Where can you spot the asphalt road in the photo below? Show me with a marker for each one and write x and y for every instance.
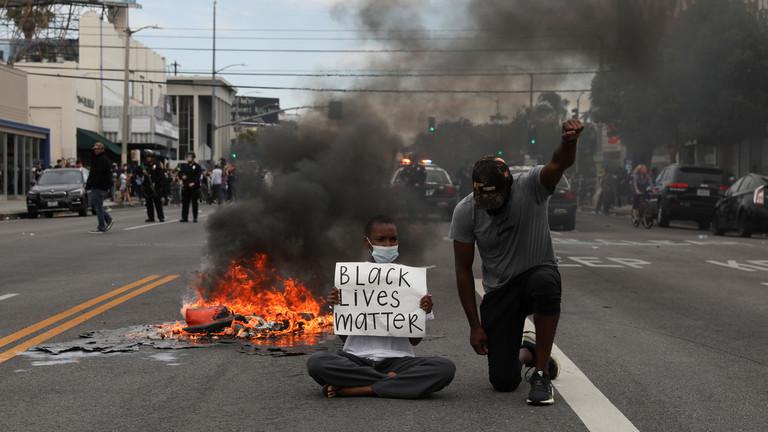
(669, 324)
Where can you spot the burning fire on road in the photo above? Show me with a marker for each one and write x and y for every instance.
(251, 301)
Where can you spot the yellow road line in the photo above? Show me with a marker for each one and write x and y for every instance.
(69, 312)
(20, 348)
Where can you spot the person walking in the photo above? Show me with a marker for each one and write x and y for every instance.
(506, 216)
(190, 174)
(98, 184)
(217, 179)
(154, 182)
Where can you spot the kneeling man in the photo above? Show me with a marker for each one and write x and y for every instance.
(378, 365)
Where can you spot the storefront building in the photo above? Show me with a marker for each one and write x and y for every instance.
(22, 145)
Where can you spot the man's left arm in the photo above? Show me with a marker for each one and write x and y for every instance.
(564, 156)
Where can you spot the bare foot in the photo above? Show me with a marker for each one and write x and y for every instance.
(329, 391)
(332, 391)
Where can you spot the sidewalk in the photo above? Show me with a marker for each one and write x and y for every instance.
(13, 208)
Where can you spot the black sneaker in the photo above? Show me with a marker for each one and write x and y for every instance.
(109, 225)
(96, 231)
(541, 392)
(183, 221)
(148, 220)
(529, 343)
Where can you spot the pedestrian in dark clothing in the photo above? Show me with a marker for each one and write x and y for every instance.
(99, 183)
(506, 217)
(154, 183)
(190, 174)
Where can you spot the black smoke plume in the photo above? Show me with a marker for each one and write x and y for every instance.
(330, 177)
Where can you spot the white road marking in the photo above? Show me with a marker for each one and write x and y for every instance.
(593, 262)
(739, 266)
(630, 262)
(765, 283)
(7, 296)
(590, 404)
(147, 225)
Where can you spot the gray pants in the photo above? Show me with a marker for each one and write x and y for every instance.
(417, 377)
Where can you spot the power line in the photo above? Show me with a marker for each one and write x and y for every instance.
(331, 90)
(349, 51)
(307, 38)
(332, 73)
(329, 30)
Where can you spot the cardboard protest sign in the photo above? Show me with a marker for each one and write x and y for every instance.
(379, 300)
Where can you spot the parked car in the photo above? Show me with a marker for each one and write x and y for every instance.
(743, 208)
(690, 193)
(561, 211)
(59, 190)
(440, 193)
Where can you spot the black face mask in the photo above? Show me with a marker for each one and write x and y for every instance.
(500, 209)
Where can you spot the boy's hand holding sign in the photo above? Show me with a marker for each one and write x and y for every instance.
(380, 300)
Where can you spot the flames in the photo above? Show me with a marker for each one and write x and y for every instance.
(263, 304)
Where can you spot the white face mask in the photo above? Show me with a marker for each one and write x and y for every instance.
(384, 254)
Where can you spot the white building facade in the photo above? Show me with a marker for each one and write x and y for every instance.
(82, 94)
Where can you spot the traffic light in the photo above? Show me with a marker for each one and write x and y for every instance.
(234, 155)
(335, 110)
(532, 135)
(431, 125)
(499, 153)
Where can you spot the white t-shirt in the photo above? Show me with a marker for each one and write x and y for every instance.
(216, 176)
(378, 348)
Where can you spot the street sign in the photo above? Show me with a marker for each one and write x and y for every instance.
(246, 107)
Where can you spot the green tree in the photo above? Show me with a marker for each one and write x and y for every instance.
(703, 79)
(30, 19)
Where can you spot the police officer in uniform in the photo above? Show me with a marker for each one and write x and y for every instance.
(190, 174)
(154, 184)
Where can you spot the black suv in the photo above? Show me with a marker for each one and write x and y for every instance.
(57, 190)
(688, 193)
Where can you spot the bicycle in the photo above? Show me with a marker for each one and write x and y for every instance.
(646, 216)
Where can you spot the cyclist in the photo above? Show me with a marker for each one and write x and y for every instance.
(639, 185)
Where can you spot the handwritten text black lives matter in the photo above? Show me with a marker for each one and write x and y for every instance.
(379, 300)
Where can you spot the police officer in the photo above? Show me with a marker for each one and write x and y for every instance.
(154, 184)
(190, 174)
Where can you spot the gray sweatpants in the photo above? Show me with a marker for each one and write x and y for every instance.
(417, 377)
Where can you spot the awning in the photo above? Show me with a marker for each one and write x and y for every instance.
(86, 139)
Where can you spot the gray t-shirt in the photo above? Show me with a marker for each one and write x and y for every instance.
(514, 240)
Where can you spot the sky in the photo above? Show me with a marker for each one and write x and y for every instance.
(239, 25)
(295, 24)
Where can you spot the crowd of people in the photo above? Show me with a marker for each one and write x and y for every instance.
(612, 187)
(217, 185)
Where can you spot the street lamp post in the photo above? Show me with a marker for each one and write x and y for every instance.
(213, 88)
(126, 68)
(531, 79)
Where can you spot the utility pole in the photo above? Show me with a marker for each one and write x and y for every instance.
(213, 88)
(126, 69)
(125, 131)
(530, 95)
(175, 65)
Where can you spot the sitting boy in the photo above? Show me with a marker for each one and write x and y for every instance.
(380, 365)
